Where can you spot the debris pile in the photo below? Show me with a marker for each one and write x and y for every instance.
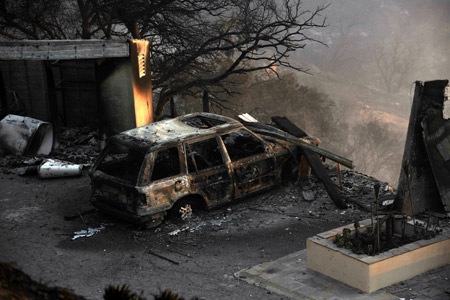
(371, 241)
(78, 148)
(78, 145)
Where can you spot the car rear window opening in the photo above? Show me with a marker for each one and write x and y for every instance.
(122, 162)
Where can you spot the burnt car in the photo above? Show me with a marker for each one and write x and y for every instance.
(201, 160)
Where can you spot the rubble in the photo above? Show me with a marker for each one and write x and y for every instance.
(309, 195)
(313, 160)
(80, 145)
(83, 154)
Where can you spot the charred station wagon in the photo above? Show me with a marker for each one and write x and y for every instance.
(199, 159)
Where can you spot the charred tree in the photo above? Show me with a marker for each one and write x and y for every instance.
(196, 45)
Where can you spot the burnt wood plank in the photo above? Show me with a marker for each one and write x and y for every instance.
(4, 102)
(62, 49)
(286, 125)
(53, 104)
(269, 130)
(314, 161)
(319, 170)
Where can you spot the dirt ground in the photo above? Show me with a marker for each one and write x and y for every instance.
(198, 261)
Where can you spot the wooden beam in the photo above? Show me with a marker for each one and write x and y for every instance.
(142, 81)
(53, 104)
(286, 125)
(205, 101)
(321, 173)
(3, 98)
(314, 161)
(62, 49)
(173, 112)
(277, 133)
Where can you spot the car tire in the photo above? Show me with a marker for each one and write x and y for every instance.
(190, 203)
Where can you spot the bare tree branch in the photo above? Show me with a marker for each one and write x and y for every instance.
(195, 44)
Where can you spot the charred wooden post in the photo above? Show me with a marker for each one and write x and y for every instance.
(3, 99)
(173, 112)
(205, 101)
(377, 188)
(52, 103)
(389, 230)
(338, 167)
(305, 170)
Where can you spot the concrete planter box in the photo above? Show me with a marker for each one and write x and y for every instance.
(370, 273)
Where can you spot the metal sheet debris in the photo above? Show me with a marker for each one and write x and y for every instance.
(52, 168)
(23, 135)
(87, 233)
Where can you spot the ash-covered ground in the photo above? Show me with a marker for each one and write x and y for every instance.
(194, 257)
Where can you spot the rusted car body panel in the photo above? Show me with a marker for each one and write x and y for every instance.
(144, 172)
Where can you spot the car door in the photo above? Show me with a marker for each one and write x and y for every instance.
(208, 172)
(252, 162)
(168, 181)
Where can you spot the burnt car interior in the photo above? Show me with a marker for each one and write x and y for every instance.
(167, 164)
(241, 144)
(202, 122)
(122, 162)
(202, 155)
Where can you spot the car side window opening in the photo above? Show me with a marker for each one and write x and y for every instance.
(202, 155)
(167, 164)
(241, 144)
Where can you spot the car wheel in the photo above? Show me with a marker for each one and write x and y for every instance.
(184, 209)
